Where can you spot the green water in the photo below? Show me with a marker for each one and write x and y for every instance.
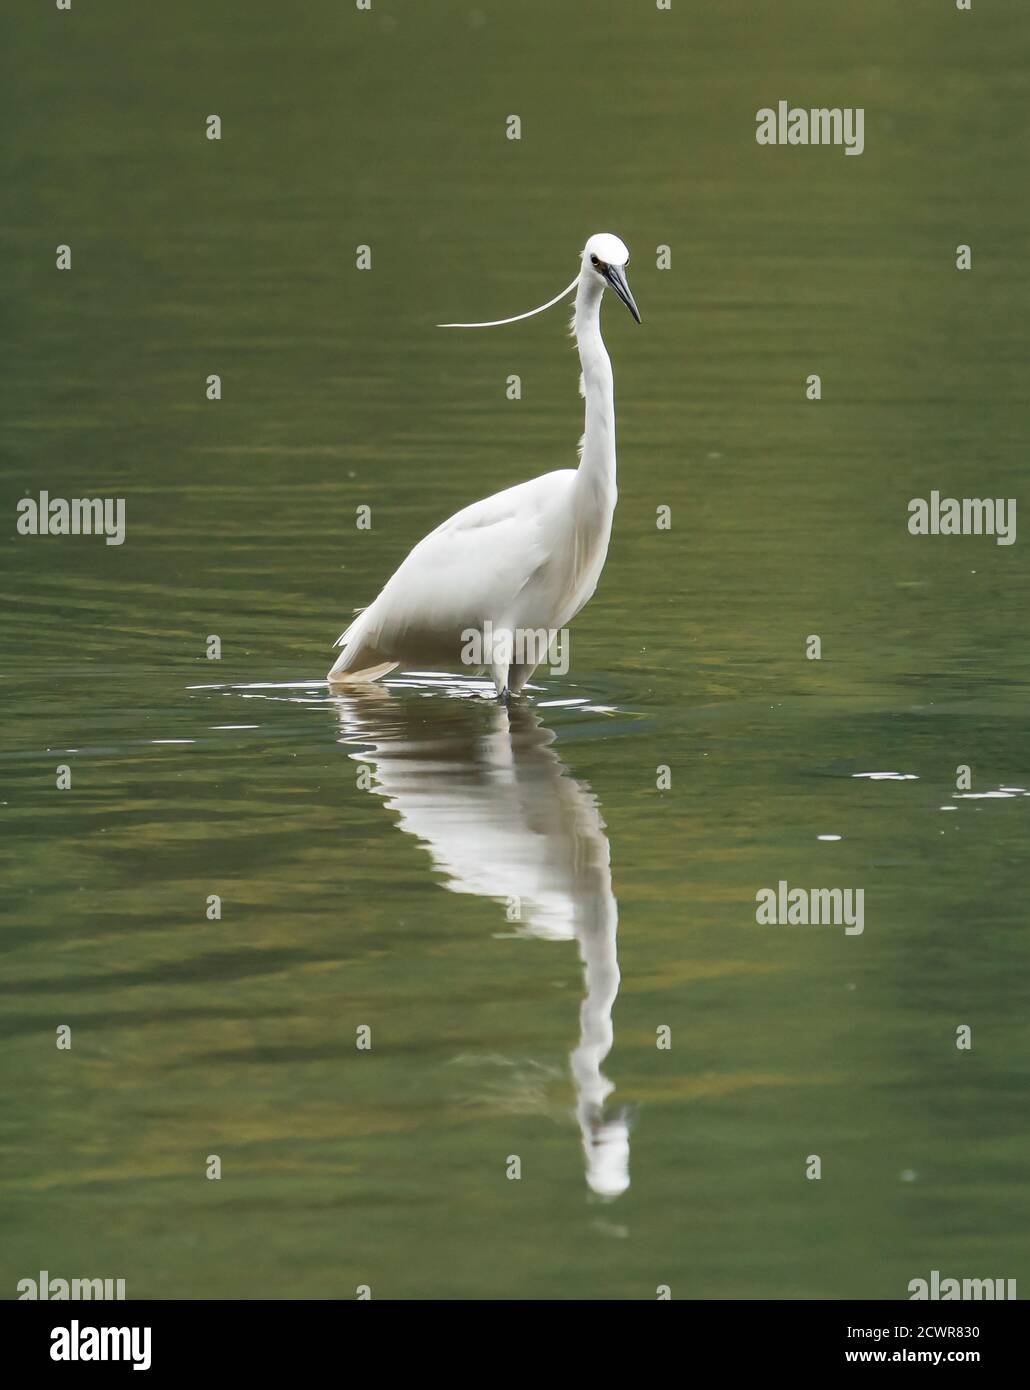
(382, 898)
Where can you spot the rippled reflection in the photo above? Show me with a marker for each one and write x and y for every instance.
(483, 790)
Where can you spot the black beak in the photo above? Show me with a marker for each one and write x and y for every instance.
(616, 277)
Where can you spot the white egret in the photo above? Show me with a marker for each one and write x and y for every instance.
(523, 562)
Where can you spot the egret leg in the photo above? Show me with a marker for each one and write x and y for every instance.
(501, 674)
(518, 676)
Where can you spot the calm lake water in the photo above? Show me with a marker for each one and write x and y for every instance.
(368, 850)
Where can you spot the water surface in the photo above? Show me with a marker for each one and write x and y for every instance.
(507, 900)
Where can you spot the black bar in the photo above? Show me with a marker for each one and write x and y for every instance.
(265, 1338)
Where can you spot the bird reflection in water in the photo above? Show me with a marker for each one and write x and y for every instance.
(483, 790)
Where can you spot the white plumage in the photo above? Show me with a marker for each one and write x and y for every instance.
(522, 561)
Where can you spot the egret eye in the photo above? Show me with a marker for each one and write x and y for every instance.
(595, 262)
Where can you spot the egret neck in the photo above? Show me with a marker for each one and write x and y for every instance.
(596, 477)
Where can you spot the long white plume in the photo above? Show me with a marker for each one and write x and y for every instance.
(496, 323)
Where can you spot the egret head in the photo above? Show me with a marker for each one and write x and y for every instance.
(605, 257)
